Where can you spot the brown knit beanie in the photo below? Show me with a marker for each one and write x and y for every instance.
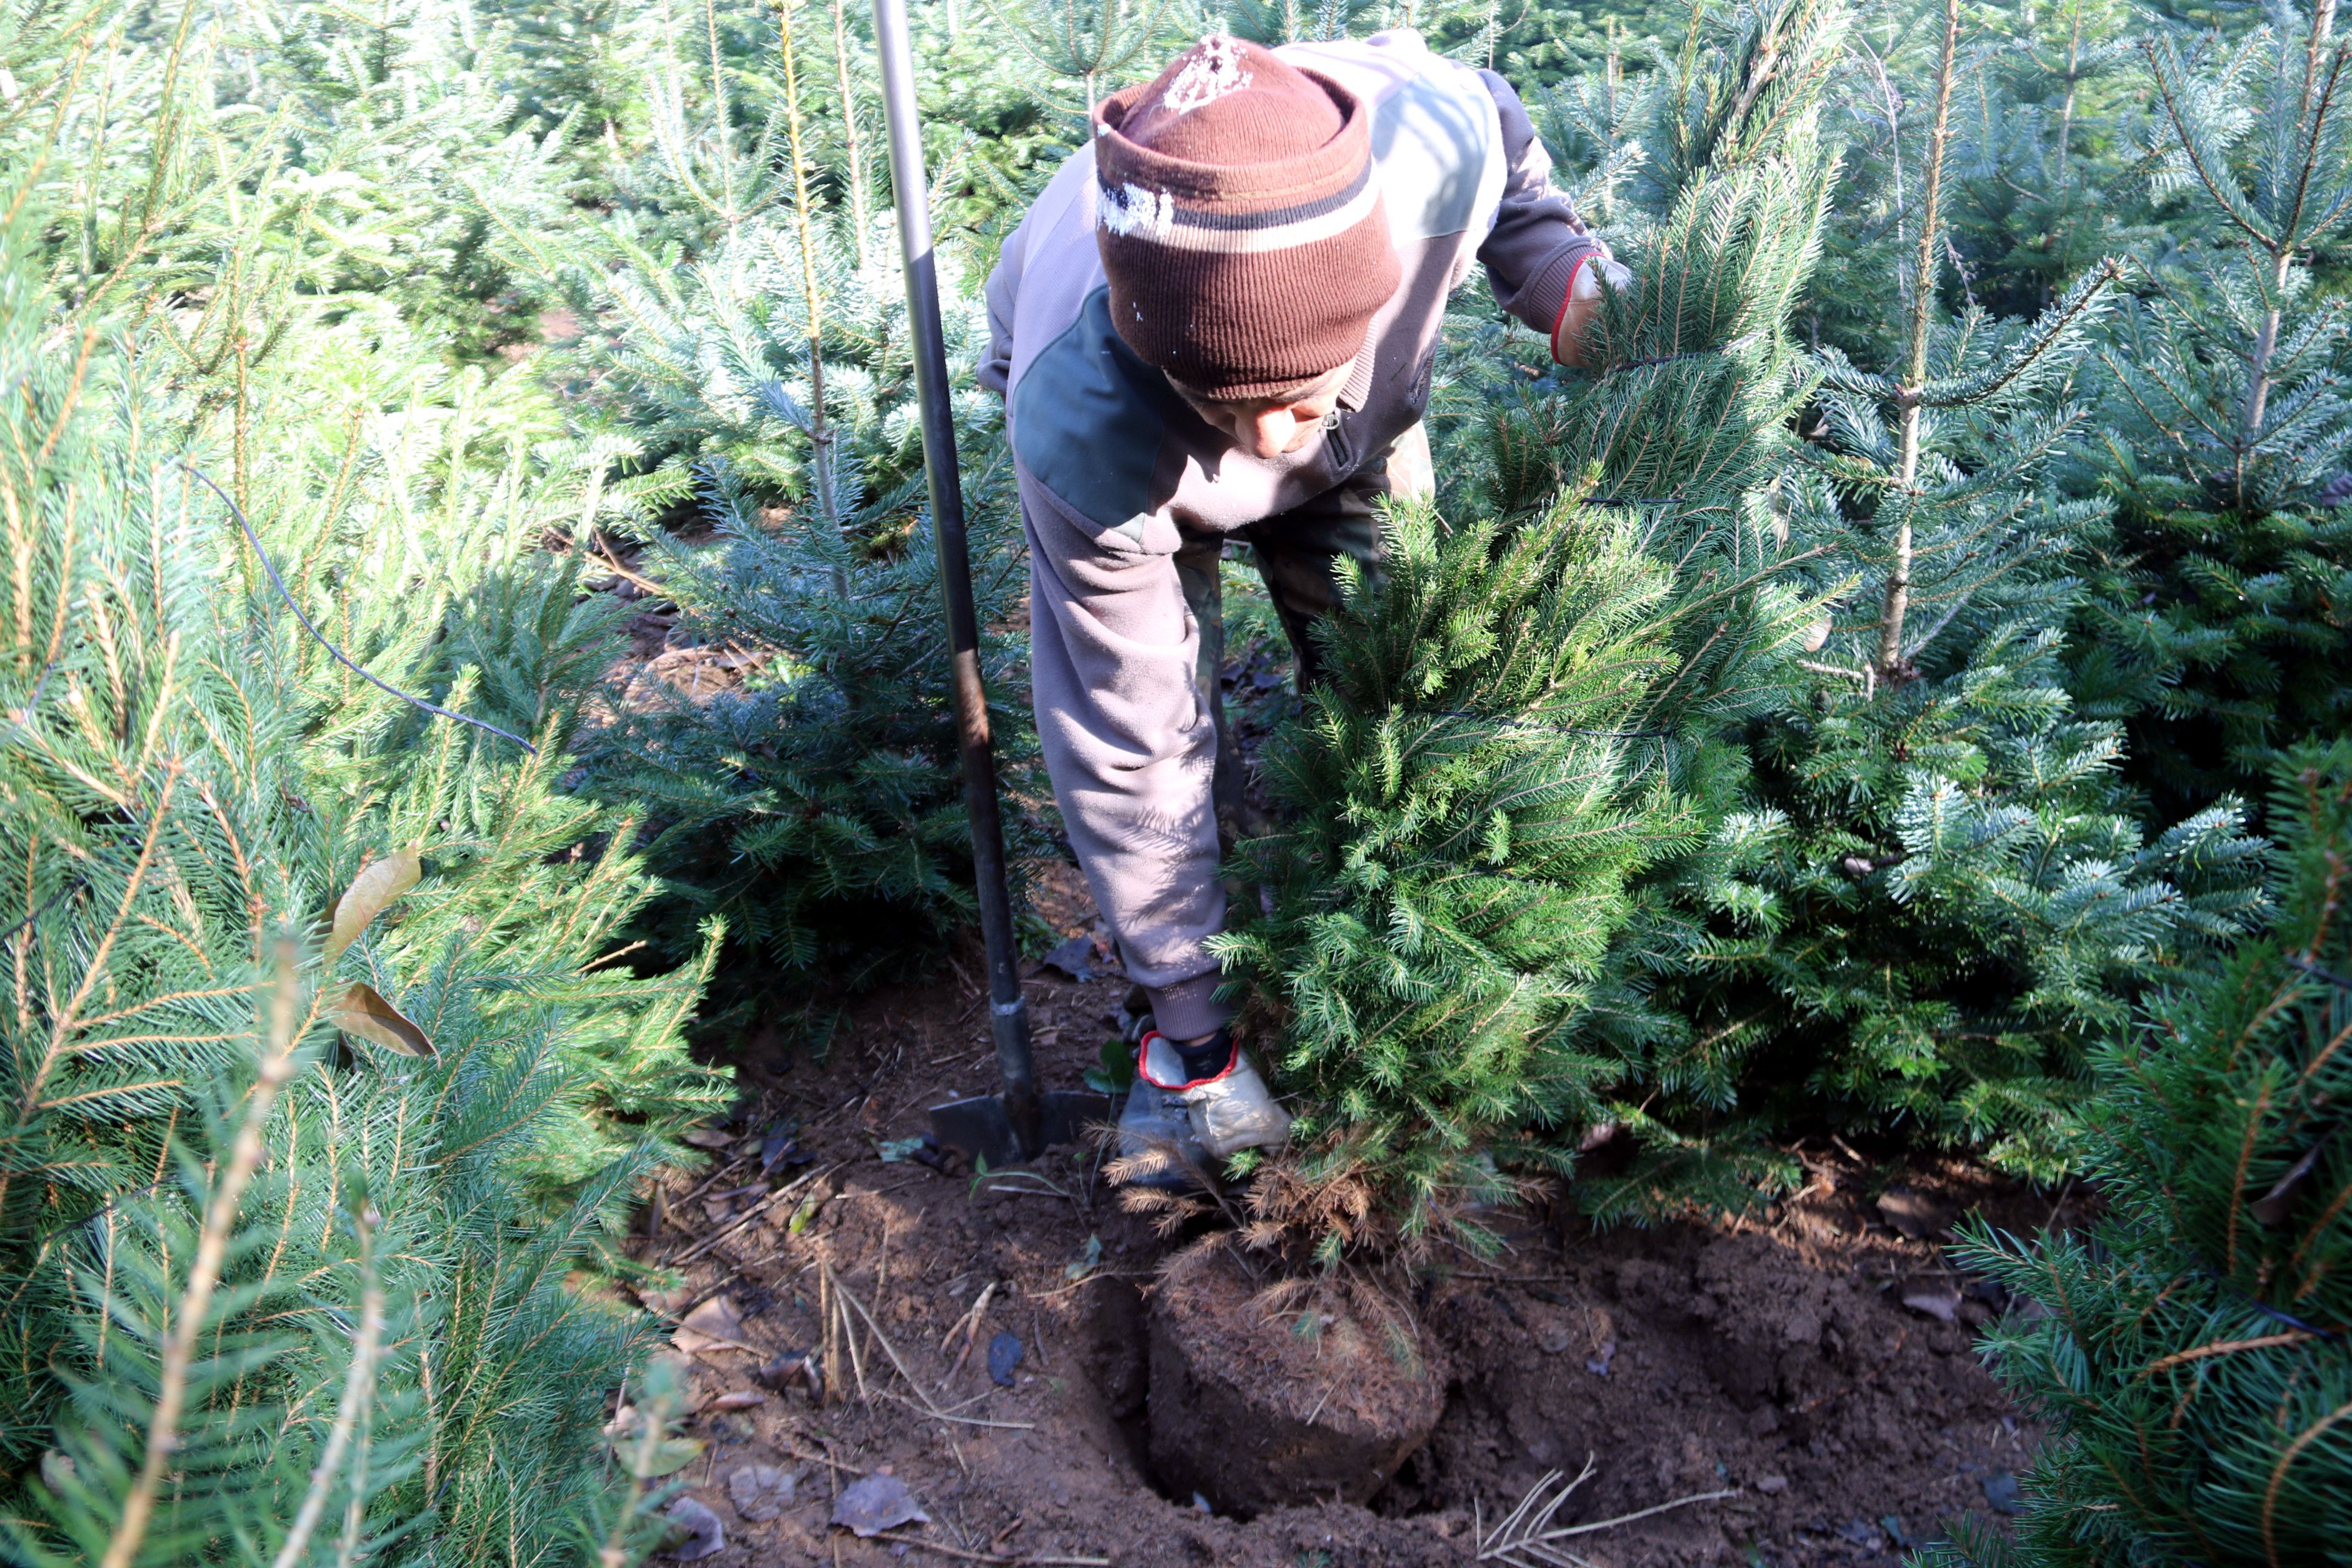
(1240, 220)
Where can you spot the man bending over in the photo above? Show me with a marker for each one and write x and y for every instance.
(1218, 322)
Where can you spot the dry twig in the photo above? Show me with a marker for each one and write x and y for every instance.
(841, 1293)
(1526, 1538)
(969, 1327)
(748, 1216)
(716, 1178)
(359, 1392)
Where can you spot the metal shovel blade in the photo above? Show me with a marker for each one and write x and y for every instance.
(980, 1129)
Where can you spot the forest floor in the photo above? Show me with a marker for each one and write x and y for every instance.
(1814, 1361)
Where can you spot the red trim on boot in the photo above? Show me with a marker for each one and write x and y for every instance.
(1143, 1058)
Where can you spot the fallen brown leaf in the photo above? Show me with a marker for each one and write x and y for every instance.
(362, 1010)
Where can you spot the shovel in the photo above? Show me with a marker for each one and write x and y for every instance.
(1019, 1123)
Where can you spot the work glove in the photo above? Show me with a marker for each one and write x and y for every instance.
(1583, 305)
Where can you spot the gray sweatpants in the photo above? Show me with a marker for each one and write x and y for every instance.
(1125, 647)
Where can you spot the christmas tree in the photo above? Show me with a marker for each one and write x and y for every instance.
(1932, 897)
(321, 1097)
(1517, 714)
(2043, 190)
(2193, 1352)
(808, 794)
(262, 1284)
(2223, 629)
(746, 377)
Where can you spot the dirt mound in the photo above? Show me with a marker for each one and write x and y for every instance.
(1685, 1360)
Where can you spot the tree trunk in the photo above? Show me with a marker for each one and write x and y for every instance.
(2066, 114)
(820, 437)
(1890, 662)
(857, 215)
(2258, 379)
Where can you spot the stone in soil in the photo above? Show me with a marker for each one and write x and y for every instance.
(1251, 1414)
(1005, 1352)
(761, 1492)
(874, 1503)
(695, 1532)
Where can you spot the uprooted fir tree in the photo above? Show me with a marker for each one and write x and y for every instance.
(1522, 707)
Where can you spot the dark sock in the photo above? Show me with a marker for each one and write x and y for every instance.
(1208, 1059)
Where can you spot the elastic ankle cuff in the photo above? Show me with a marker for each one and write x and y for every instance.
(1190, 1008)
(1209, 1059)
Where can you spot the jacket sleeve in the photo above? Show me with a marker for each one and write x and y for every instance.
(994, 370)
(1539, 249)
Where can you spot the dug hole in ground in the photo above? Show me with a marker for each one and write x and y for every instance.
(997, 1369)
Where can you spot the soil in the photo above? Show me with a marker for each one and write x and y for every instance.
(1815, 1363)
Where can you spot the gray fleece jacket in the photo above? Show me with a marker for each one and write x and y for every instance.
(1116, 471)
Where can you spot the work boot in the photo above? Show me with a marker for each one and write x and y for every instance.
(1228, 1103)
(1156, 1141)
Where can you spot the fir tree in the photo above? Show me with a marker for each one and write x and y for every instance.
(1519, 711)
(2042, 187)
(1463, 824)
(1593, 124)
(1278, 22)
(2193, 1352)
(266, 1293)
(1545, 43)
(1921, 912)
(751, 386)
(338, 431)
(2223, 626)
(817, 804)
(1086, 41)
(291, 1222)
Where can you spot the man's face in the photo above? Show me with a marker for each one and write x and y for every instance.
(1269, 427)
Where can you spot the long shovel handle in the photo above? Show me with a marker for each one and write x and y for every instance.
(1008, 1014)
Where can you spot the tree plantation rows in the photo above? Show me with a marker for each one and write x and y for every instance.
(473, 659)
